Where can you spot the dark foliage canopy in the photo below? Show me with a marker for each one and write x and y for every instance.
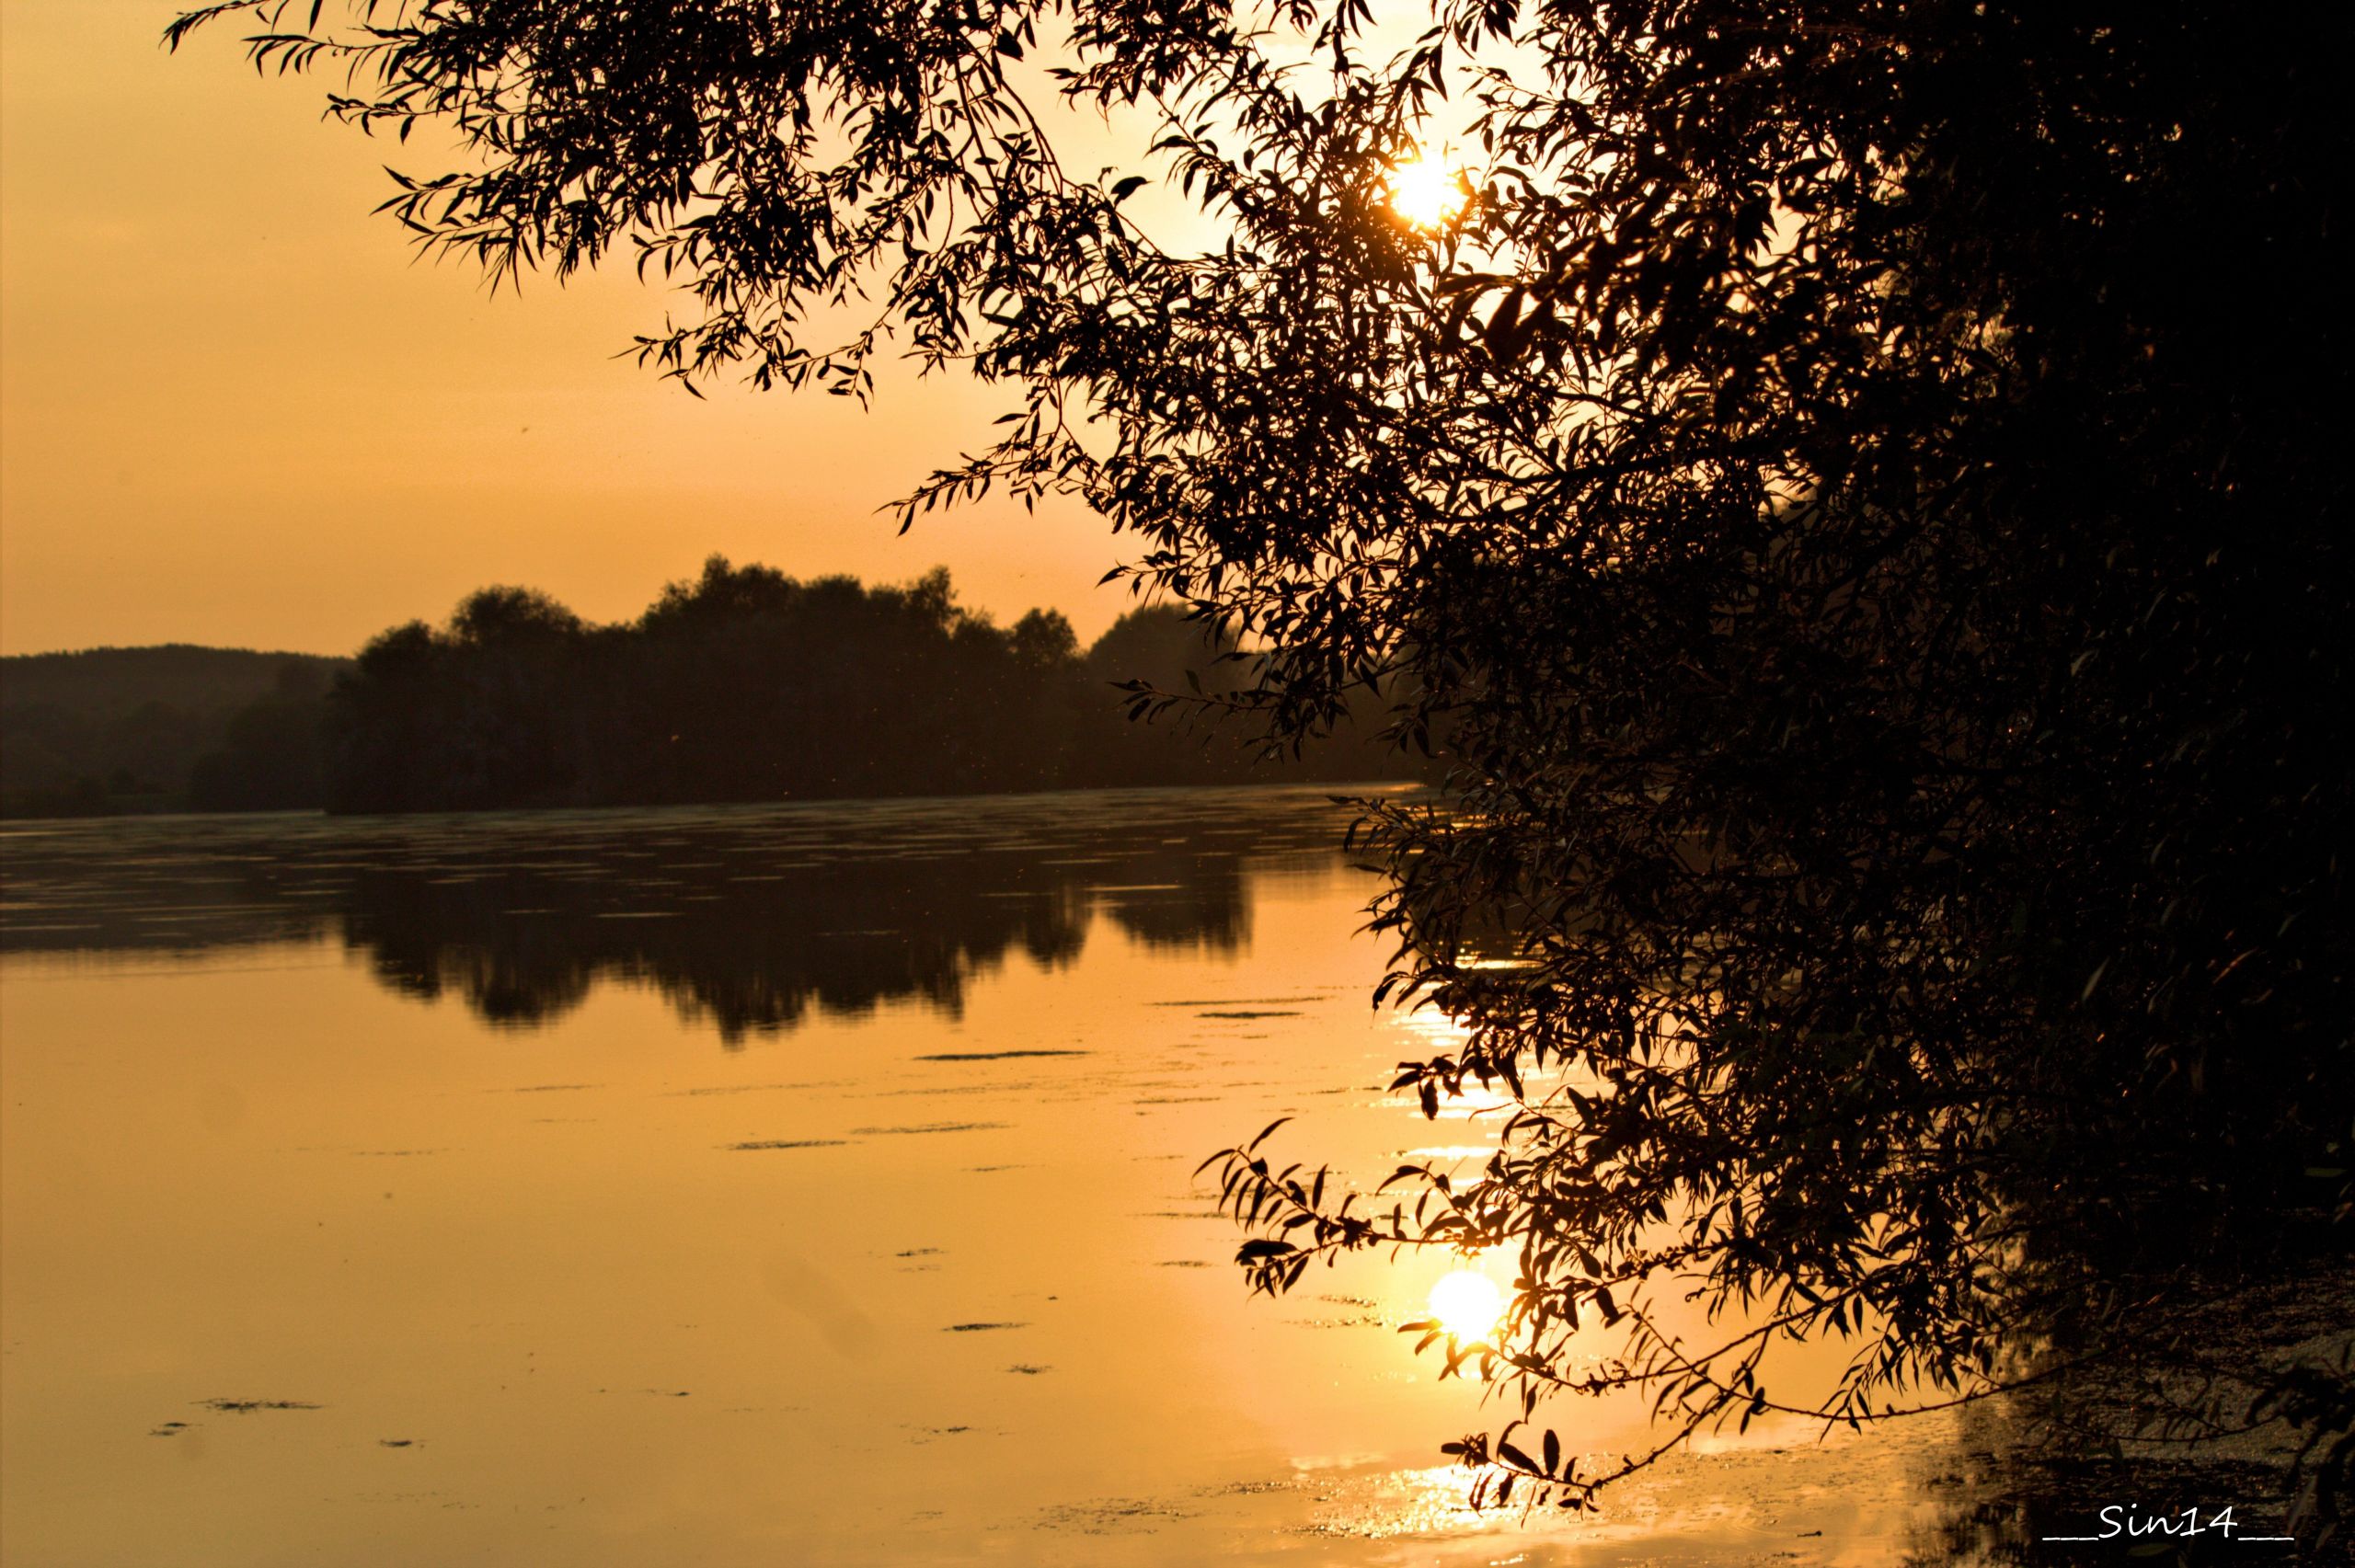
(1855, 484)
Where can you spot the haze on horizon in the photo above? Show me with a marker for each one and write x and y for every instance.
(237, 409)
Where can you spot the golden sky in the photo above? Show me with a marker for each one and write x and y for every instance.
(236, 408)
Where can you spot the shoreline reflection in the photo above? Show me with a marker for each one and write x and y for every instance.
(748, 919)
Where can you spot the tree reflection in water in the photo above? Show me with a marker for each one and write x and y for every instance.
(745, 917)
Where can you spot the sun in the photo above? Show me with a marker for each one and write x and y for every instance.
(1424, 191)
(1468, 1306)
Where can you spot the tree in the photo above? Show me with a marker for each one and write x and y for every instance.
(272, 755)
(1850, 485)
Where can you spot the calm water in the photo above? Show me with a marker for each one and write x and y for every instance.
(767, 1185)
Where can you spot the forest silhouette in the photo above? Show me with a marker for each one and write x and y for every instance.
(115, 730)
(747, 684)
(740, 684)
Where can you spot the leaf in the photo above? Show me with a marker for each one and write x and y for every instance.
(2092, 980)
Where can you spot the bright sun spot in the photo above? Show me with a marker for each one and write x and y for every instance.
(1468, 1305)
(1424, 193)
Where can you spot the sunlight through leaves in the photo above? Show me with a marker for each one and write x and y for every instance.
(1425, 192)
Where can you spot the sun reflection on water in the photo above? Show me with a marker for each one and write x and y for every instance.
(1469, 1305)
(1428, 1504)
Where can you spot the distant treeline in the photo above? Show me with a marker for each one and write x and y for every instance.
(747, 684)
(170, 728)
(741, 684)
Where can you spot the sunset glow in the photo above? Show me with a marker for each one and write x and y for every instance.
(1135, 785)
(1425, 192)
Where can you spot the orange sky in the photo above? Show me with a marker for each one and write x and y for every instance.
(235, 409)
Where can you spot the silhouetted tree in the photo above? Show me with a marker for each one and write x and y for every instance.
(1857, 476)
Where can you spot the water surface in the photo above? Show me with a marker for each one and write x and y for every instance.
(797, 1185)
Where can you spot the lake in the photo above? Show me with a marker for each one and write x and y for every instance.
(779, 1184)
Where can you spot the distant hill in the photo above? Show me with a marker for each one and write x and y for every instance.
(115, 729)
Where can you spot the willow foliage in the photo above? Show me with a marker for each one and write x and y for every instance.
(1854, 489)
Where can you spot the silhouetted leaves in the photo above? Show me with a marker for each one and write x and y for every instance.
(1854, 486)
